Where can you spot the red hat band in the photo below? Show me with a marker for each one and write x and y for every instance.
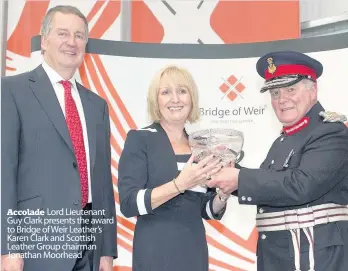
(284, 70)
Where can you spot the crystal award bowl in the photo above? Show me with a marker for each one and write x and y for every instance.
(226, 144)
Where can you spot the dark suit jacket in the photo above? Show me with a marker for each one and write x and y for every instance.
(38, 166)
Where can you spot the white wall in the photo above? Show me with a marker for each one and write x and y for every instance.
(319, 9)
(323, 17)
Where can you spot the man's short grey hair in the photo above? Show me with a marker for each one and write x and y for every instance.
(66, 9)
(308, 83)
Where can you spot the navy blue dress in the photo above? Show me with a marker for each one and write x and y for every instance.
(172, 236)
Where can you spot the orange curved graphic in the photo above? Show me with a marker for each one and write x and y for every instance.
(83, 75)
(249, 244)
(101, 92)
(124, 244)
(20, 40)
(125, 234)
(122, 268)
(107, 18)
(126, 223)
(256, 21)
(144, 26)
(97, 6)
(10, 68)
(211, 241)
(115, 95)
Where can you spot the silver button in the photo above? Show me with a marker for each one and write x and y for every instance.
(263, 236)
(261, 210)
(272, 162)
(249, 199)
(243, 198)
(281, 140)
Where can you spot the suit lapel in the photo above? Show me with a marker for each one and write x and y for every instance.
(167, 150)
(44, 92)
(88, 109)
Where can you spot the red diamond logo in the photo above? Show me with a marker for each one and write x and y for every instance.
(232, 87)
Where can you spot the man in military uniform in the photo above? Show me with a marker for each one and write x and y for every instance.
(301, 188)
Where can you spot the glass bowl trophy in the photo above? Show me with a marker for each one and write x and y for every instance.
(225, 144)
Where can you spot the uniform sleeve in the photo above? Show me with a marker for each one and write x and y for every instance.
(321, 165)
(10, 134)
(207, 206)
(135, 198)
(235, 193)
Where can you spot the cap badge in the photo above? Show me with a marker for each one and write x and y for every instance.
(271, 67)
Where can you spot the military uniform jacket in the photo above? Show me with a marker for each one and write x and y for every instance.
(306, 167)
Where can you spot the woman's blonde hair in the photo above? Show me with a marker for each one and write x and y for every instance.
(179, 76)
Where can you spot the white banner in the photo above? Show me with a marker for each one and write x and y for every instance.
(229, 97)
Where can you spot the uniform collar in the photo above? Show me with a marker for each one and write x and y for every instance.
(298, 126)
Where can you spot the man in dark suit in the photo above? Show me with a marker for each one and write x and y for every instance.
(55, 160)
(301, 188)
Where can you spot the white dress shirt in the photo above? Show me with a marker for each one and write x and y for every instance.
(55, 78)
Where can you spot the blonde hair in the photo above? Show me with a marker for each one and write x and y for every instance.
(179, 76)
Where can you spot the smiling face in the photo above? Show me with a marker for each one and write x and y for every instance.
(64, 46)
(292, 103)
(174, 100)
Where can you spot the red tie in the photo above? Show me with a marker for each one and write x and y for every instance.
(75, 130)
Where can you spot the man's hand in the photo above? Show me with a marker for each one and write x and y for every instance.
(106, 263)
(226, 179)
(15, 263)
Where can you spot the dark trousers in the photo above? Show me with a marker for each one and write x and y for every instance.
(275, 252)
(85, 263)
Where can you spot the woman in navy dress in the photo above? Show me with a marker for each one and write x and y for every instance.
(161, 185)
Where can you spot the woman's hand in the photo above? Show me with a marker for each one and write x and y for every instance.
(195, 174)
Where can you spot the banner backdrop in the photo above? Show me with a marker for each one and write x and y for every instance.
(214, 21)
(208, 22)
(228, 86)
